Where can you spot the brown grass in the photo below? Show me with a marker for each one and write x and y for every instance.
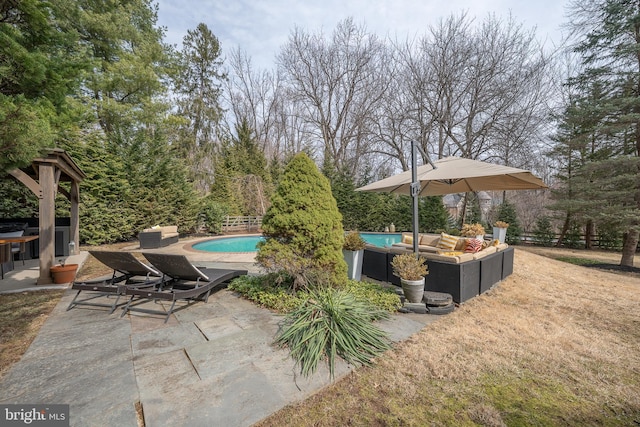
(554, 344)
(21, 316)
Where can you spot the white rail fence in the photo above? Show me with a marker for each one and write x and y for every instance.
(241, 223)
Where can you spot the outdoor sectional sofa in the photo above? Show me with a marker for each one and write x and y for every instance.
(464, 276)
(157, 237)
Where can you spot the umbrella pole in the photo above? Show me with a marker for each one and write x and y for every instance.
(415, 190)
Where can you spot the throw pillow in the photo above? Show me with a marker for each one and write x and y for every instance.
(462, 243)
(447, 242)
(407, 239)
(473, 245)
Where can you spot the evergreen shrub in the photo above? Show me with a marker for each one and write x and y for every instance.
(507, 213)
(543, 233)
(303, 227)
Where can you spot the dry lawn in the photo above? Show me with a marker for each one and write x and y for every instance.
(554, 344)
(21, 316)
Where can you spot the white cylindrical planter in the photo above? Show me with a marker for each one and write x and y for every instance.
(413, 290)
(500, 234)
(354, 263)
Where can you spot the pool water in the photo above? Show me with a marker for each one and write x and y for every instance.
(248, 243)
(230, 244)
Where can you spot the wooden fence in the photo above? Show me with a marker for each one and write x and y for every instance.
(241, 223)
(528, 238)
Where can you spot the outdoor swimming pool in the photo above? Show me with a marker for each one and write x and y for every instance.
(248, 243)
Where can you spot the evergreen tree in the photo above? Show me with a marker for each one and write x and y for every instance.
(609, 88)
(242, 180)
(303, 227)
(39, 67)
(507, 213)
(197, 88)
(543, 232)
(433, 214)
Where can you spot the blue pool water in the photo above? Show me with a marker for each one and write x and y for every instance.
(248, 243)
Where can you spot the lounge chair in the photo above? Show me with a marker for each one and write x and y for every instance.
(181, 281)
(128, 272)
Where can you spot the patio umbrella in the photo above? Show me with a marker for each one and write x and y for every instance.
(452, 175)
(458, 175)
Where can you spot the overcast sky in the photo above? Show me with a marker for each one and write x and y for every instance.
(261, 27)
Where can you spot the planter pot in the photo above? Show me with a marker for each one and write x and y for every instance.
(500, 234)
(413, 290)
(354, 263)
(63, 273)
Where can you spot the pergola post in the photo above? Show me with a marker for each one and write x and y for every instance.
(74, 229)
(47, 221)
(43, 179)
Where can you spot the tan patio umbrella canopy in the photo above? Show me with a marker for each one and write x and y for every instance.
(458, 175)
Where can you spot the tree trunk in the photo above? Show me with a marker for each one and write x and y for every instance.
(565, 228)
(588, 235)
(629, 245)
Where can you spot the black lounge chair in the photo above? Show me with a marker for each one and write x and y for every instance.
(181, 280)
(128, 272)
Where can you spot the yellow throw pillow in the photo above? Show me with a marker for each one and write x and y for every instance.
(447, 242)
(407, 239)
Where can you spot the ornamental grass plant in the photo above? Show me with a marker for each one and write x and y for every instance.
(332, 322)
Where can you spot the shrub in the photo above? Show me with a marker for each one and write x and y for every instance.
(572, 238)
(543, 232)
(353, 242)
(375, 295)
(270, 291)
(303, 227)
(212, 214)
(273, 291)
(609, 238)
(332, 322)
(409, 266)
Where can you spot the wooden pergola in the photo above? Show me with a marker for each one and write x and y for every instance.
(43, 179)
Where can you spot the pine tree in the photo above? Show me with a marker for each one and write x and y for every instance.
(609, 90)
(39, 66)
(433, 214)
(544, 231)
(303, 227)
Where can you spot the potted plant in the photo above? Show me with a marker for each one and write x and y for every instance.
(411, 269)
(473, 230)
(500, 230)
(63, 273)
(353, 252)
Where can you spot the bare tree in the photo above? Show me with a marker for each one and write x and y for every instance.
(478, 92)
(336, 86)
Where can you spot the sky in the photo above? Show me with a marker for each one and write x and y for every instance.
(261, 27)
